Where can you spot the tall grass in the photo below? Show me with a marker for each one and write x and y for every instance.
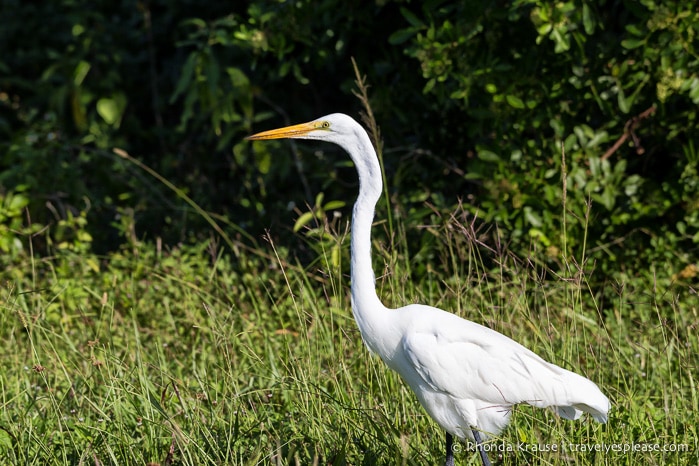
(186, 357)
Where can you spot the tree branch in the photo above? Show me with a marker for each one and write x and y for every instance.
(629, 131)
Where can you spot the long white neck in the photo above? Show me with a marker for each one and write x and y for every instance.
(366, 306)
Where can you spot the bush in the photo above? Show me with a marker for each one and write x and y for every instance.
(570, 124)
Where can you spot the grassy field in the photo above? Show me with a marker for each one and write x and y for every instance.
(200, 356)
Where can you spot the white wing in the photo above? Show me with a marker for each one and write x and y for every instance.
(467, 361)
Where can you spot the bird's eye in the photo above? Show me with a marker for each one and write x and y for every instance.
(325, 125)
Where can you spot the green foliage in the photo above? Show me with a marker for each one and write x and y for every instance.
(506, 101)
(319, 228)
(11, 222)
(573, 88)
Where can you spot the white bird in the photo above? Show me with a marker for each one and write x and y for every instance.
(466, 376)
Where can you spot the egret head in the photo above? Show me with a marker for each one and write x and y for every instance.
(344, 131)
(336, 127)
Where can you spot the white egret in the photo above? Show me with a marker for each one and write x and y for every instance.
(465, 375)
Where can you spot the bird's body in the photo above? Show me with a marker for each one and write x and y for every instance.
(468, 376)
(465, 375)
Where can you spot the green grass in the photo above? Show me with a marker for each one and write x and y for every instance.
(200, 357)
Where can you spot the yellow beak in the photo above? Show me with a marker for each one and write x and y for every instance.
(286, 132)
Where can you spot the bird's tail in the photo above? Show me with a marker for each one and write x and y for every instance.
(573, 412)
(583, 396)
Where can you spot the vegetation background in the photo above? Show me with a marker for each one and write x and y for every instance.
(173, 294)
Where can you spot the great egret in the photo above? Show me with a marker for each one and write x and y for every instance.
(466, 376)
